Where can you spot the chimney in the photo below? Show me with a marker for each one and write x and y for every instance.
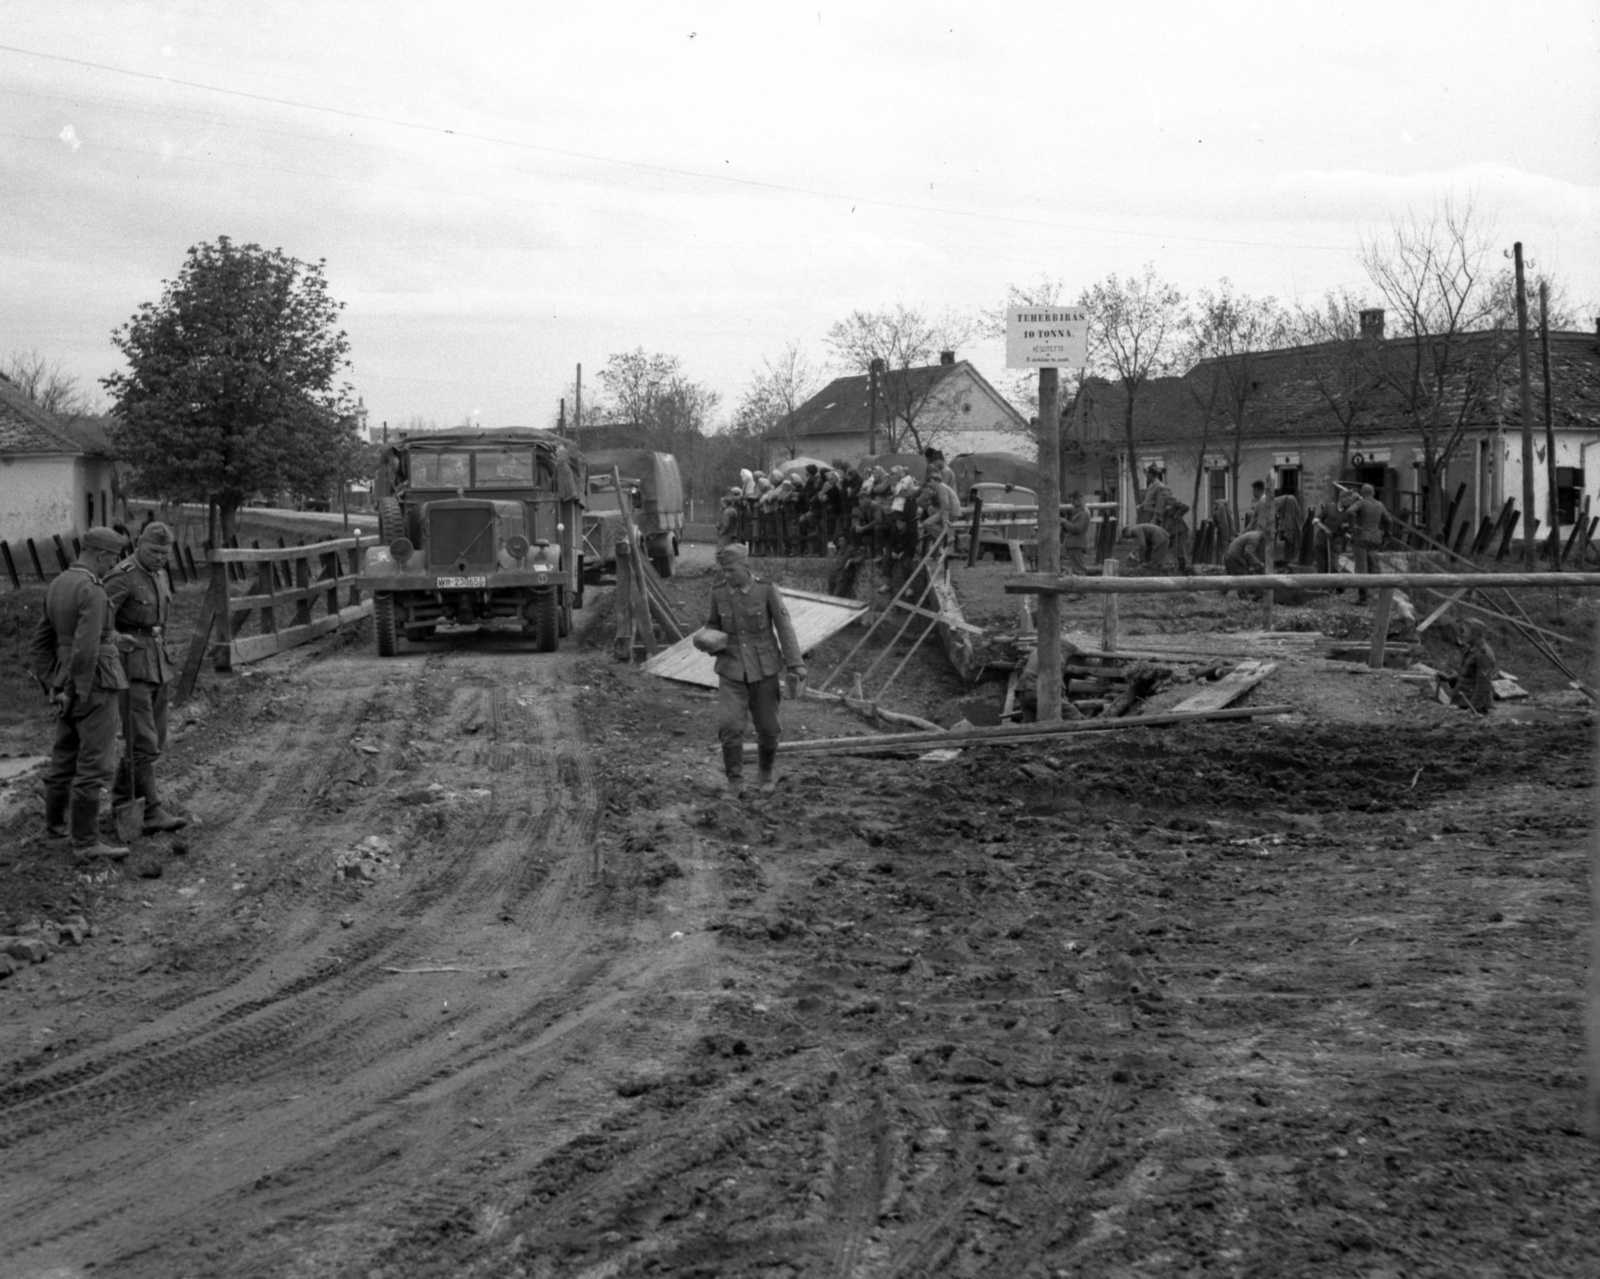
(947, 357)
(1372, 323)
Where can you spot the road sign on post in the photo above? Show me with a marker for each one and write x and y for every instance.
(1053, 337)
(1045, 338)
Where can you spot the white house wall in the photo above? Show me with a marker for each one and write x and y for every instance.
(40, 496)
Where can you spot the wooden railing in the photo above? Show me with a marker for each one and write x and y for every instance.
(292, 593)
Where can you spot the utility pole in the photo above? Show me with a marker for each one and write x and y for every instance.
(1530, 554)
(1049, 544)
(1549, 426)
(874, 367)
(577, 411)
(561, 417)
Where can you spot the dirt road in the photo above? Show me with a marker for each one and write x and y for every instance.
(464, 973)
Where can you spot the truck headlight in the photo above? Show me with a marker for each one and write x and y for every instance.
(401, 549)
(517, 545)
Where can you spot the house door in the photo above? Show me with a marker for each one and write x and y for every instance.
(1288, 480)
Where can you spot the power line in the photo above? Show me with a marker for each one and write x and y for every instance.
(695, 174)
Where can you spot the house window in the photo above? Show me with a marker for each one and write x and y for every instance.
(1289, 480)
(1217, 487)
(89, 497)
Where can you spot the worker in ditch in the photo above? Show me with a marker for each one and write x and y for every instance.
(1150, 543)
(1472, 686)
(74, 657)
(1243, 557)
(749, 630)
(140, 596)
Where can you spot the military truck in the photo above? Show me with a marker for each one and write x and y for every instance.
(477, 528)
(653, 490)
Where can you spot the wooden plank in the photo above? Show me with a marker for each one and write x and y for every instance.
(1007, 734)
(252, 555)
(215, 600)
(955, 623)
(1439, 612)
(1108, 621)
(1229, 688)
(1038, 584)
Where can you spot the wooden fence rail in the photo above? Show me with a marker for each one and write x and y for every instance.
(285, 615)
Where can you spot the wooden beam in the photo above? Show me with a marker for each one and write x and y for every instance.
(1008, 735)
(1229, 688)
(954, 623)
(1380, 627)
(1037, 584)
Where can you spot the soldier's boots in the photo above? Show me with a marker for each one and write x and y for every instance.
(765, 759)
(55, 814)
(735, 786)
(86, 841)
(157, 821)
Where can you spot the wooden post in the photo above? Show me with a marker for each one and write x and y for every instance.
(1048, 537)
(1505, 537)
(1450, 515)
(1269, 597)
(62, 557)
(1554, 513)
(11, 567)
(38, 565)
(1525, 395)
(977, 528)
(1577, 528)
(622, 643)
(1108, 623)
(1380, 626)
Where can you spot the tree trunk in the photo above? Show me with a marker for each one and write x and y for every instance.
(1133, 444)
(228, 516)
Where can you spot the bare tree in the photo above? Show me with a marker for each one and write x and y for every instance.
(915, 409)
(48, 385)
(1136, 332)
(1233, 330)
(1445, 360)
(766, 410)
(1341, 369)
(652, 392)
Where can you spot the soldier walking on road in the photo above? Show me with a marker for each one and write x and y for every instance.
(140, 597)
(754, 641)
(73, 655)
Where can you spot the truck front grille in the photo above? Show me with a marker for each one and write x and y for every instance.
(461, 535)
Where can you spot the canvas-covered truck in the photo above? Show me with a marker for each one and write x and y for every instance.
(653, 489)
(477, 528)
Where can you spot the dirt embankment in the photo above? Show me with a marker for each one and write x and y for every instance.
(465, 973)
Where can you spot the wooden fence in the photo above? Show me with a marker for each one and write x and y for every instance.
(292, 593)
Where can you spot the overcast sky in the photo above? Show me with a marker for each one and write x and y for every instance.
(502, 191)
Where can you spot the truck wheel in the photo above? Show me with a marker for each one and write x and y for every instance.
(391, 523)
(546, 621)
(383, 625)
(662, 563)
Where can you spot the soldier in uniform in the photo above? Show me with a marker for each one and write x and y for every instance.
(141, 597)
(1075, 535)
(759, 644)
(1150, 543)
(1156, 496)
(1369, 519)
(73, 655)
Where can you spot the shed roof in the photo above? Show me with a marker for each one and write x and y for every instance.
(27, 428)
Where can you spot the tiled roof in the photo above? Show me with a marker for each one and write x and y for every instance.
(26, 428)
(1289, 402)
(841, 407)
(91, 433)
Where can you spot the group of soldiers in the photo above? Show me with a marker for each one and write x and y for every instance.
(99, 651)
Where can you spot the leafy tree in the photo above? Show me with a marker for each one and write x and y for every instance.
(915, 412)
(48, 385)
(230, 388)
(766, 410)
(1136, 332)
(651, 392)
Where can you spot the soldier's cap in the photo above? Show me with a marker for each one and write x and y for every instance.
(156, 534)
(101, 538)
(731, 554)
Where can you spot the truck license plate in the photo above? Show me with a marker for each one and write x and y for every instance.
(461, 583)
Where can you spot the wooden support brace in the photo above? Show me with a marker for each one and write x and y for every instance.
(1380, 627)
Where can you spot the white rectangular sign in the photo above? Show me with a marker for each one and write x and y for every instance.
(1047, 337)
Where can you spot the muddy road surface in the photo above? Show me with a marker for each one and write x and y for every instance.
(465, 971)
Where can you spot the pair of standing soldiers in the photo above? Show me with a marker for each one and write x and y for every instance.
(101, 640)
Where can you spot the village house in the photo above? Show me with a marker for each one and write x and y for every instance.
(1300, 418)
(948, 405)
(57, 475)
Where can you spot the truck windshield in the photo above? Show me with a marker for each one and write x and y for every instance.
(505, 468)
(440, 470)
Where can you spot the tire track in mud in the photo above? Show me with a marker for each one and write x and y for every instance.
(308, 1023)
